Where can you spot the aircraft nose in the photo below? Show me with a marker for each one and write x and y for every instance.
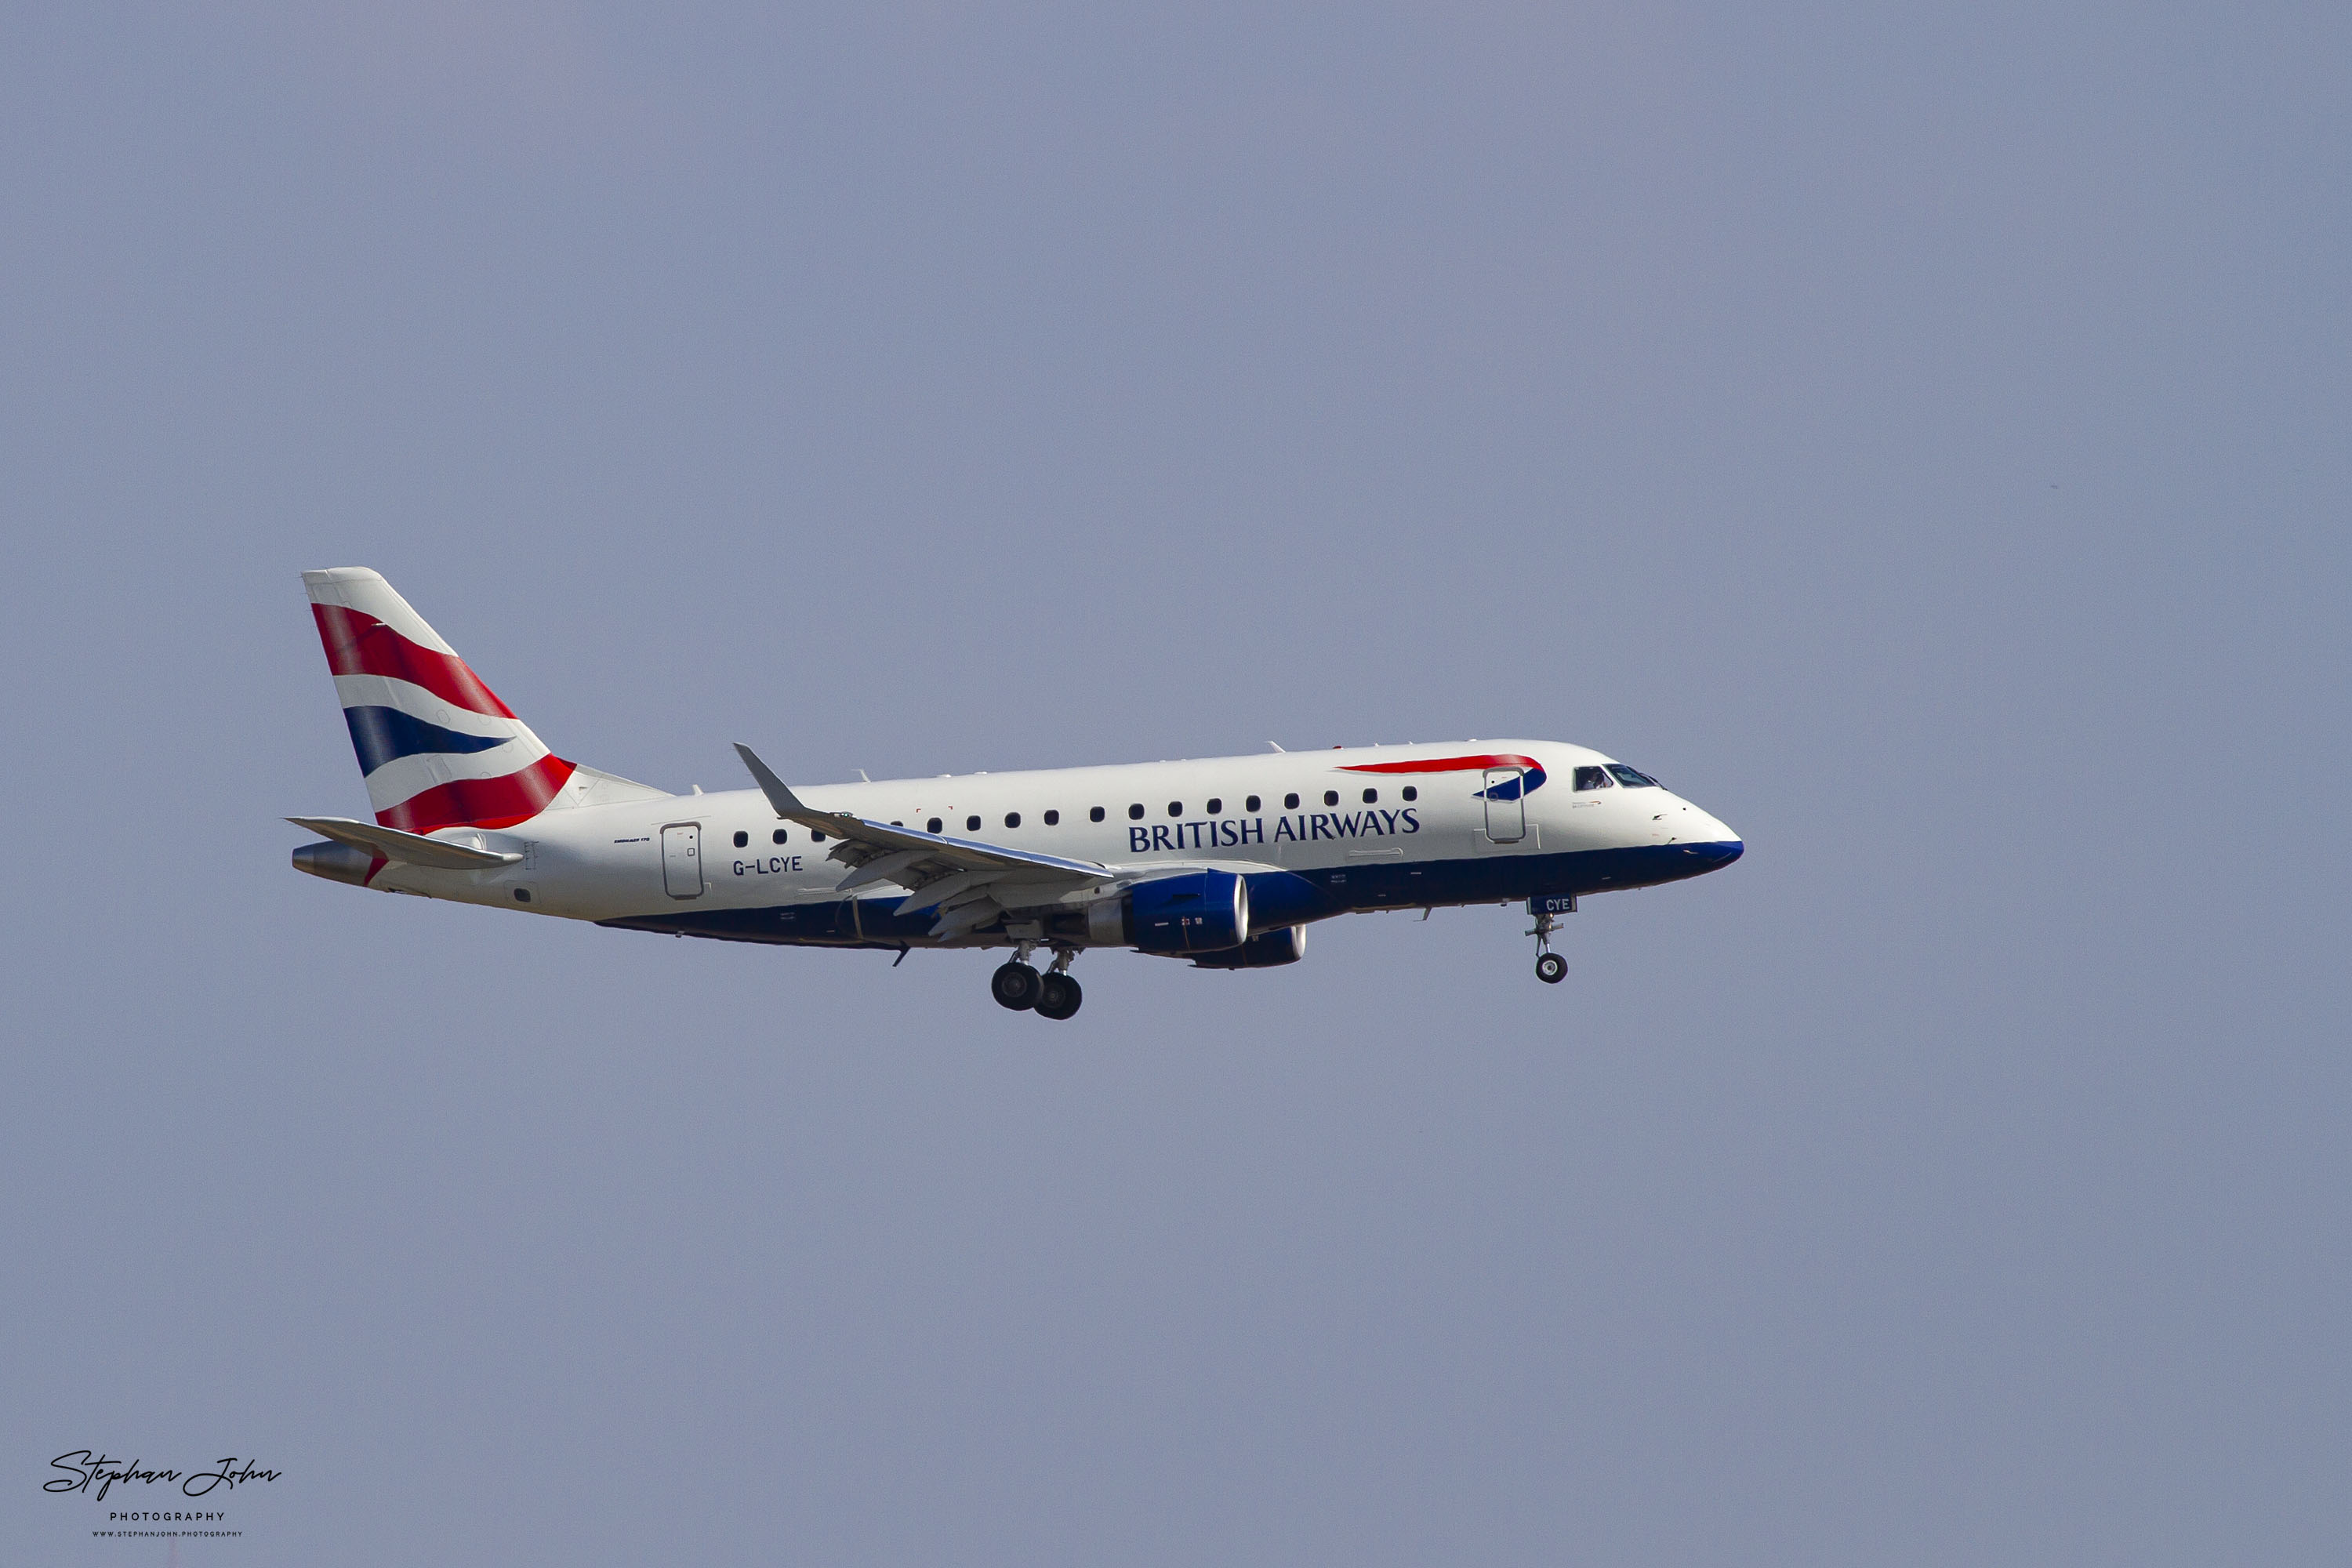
(1713, 841)
(1701, 841)
(1721, 852)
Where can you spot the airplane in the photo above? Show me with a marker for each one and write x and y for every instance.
(1224, 861)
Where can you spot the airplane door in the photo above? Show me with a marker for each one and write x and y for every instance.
(682, 859)
(1506, 818)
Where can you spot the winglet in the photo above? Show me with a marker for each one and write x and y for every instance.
(792, 808)
(779, 793)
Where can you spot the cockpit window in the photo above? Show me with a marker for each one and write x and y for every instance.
(1631, 779)
(1592, 778)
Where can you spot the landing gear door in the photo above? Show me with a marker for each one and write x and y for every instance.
(1506, 805)
(682, 859)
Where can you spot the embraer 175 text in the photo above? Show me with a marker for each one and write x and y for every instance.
(1224, 861)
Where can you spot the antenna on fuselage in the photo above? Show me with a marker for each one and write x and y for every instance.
(1275, 745)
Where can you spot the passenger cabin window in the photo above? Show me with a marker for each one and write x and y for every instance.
(1592, 778)
(1053, 819)
(1370, 795)
(1290, 802)
(741, 838)
(1175, 808)
(1135, 812)
(1632, 778)
(815, 838)
(1331, 797)
(1095, 815)
(1216, 806)
(777, 837)
(971, 824)
(1250, 804)
(932, 825)
(1012, 819)
(1411, 793)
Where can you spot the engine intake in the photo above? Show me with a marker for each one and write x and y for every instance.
(1194, 912)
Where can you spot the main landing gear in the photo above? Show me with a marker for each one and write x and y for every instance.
(1057, 995)
(1054, 995)
(1016, 986)
(1550, 967)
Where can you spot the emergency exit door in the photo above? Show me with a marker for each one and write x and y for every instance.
(1506, 805)
(682, 859)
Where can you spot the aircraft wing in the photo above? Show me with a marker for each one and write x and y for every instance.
(968, 882)
(415, 848)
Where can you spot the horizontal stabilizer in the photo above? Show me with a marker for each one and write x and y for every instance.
(414, 848)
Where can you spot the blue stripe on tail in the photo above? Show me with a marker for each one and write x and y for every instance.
(380, 735)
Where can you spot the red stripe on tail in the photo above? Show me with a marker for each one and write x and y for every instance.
(362, 645)
(481, 802)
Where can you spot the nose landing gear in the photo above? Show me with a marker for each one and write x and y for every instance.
(1550, 967)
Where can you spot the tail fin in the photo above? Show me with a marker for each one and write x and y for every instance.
(438, 748)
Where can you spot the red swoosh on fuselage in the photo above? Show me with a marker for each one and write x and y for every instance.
(1443, 764)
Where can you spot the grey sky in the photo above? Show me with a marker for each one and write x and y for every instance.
(1915, 433)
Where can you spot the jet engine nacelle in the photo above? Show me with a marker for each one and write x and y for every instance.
(1192, 911)
(1288, 945)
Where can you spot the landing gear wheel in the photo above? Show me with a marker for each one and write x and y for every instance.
(1058, 996)
(1551, 968)
(1014, 986)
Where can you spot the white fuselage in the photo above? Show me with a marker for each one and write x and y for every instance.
(1344, 830)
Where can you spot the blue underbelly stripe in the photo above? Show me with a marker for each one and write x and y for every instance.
(1276, 897)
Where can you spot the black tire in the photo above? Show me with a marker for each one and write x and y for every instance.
(1551, 968)
(1058, 996)
(1014, 986)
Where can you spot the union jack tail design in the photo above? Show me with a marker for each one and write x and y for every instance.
(438, 748)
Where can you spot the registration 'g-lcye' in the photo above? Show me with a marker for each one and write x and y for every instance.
(1224, 861)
